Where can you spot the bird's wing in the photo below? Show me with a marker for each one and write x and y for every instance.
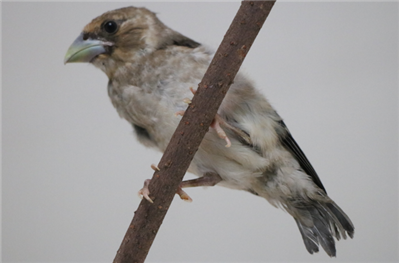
(290, 144)
(286, 140)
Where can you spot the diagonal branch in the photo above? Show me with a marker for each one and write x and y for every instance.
(192, 129)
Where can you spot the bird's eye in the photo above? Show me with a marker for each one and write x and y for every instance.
(110, 27)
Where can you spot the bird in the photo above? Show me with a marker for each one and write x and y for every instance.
(151, 72)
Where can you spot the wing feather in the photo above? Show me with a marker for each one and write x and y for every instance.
(290, 144)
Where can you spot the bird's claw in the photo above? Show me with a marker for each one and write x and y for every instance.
(220, 132)
(179, 113)
(183, 195)
(187, 100)
(145, 192)
(155, 168)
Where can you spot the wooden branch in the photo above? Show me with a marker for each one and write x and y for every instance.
(192, 129)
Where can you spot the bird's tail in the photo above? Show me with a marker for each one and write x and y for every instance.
(319, 222)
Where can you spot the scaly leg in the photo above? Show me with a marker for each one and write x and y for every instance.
(208, 179)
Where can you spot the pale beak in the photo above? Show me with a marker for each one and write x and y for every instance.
(85, 50)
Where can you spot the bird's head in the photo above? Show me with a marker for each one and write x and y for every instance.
(123, 35)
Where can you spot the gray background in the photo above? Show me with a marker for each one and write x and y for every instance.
(72, 168)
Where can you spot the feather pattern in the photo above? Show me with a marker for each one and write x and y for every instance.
(291, 145)
(327, 224)
(151, 67)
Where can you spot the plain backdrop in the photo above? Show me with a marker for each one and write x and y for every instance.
(71, 167)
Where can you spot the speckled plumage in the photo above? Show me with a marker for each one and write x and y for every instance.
(151, 68)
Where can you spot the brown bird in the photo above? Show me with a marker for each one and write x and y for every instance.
(151, 69)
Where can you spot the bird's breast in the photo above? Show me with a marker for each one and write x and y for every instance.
(150, 109)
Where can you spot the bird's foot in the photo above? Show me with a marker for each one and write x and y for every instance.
(218, 121)
(145, 192)
(187, 100)
(155, 168)
(220, 132)
(180, 113)
(183, 195)
(208, 179)
(215, 123)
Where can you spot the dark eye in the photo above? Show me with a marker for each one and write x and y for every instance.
(110, 27)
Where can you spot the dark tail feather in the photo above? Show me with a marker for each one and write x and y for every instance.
(342, 218)
(319, 223)
(310, 240)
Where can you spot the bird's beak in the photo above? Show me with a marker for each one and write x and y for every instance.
(85, 50)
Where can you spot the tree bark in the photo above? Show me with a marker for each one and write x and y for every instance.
(192, 129)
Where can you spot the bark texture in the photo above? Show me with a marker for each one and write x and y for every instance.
(192, 129)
